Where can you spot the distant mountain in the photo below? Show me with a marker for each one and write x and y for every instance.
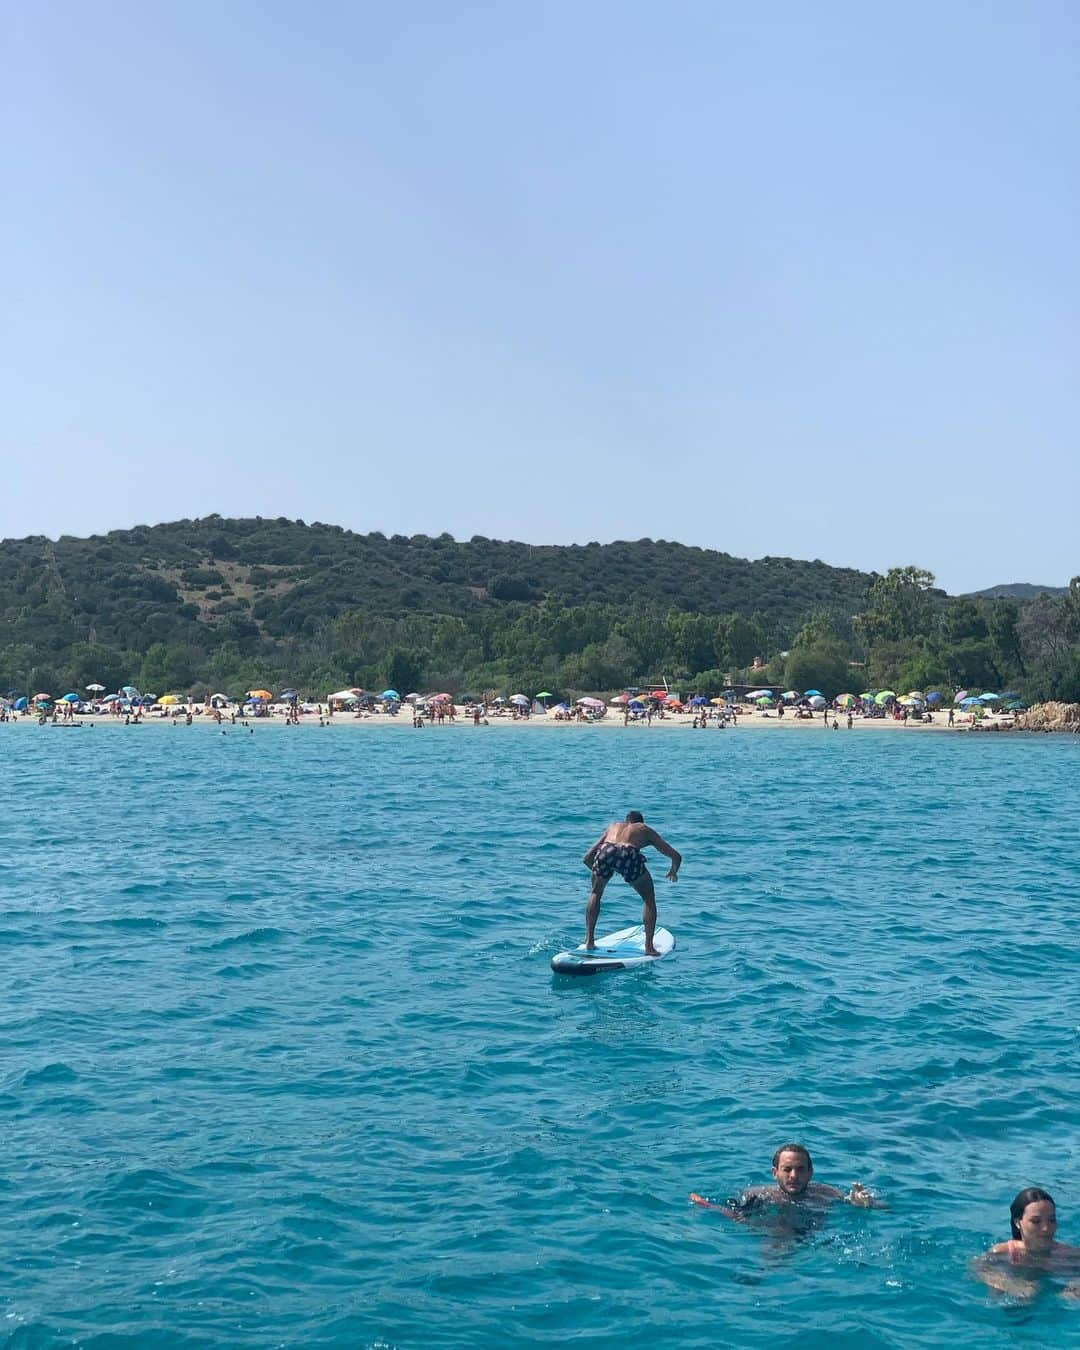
(1016, 590)
(214, 596)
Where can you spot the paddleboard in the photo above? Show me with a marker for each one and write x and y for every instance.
(617, 951)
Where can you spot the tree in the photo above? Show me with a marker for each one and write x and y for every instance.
(898, 606)
(823, 665)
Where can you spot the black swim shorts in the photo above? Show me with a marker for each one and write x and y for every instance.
(625, 859)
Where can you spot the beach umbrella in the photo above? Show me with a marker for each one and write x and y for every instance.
(933, 696)
(908, 702)
(762, 698)
(990, 698)
(343, 696)
(70, 698)
(885, 696)
(971, 701)
(959, 696)
(128, 689)
(813, 693)
(916, 693)
(673, 698)
(621, 698)
(43, 698)
(263, 694)
(790, 694)
(20, 703)
(636, 704)
(844, 700)
(867, 693)
(1015, 705)
(545, 693)
(519, 699)
(446, 698)
(391, 694)
(818, 702)
(658, 693)
(289, 695)
(588, 702)
(699, 699)
(166, 699)
(95, 688)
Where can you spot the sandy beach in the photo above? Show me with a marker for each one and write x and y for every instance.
(746, 722)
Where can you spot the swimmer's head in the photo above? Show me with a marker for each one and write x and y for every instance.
(792, 1168)
(635, 818)
(1033, 1217)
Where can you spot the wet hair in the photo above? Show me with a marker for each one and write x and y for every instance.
(635, 818)
(1025, 1198)
(793, 1148)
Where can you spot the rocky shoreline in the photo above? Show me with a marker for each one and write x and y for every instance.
(1050, 717)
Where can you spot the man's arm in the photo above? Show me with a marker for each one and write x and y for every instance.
(662, 846)
(589, 857)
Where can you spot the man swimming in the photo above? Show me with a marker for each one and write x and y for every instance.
(792, 1171)
(619, 850)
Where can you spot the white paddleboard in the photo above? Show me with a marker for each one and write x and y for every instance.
(618, 951)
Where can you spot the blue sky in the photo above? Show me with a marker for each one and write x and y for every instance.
(788, 279)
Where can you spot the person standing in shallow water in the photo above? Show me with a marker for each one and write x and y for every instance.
(619, 850)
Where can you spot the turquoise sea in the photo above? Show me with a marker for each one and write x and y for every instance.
(284, 1063)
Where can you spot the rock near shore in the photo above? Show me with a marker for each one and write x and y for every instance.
(1050, 717)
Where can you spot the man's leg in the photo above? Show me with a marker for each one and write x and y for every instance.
(644, 888)
(592, 909)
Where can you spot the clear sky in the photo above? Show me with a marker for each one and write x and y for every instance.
(788, 279)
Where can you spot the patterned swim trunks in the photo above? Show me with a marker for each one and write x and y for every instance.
(625, 859)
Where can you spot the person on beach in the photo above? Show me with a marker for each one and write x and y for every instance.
(1032, 1249)
(792, 1171)
(619, 850)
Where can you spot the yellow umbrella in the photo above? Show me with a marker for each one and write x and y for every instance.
(718, 702)
(260, 693)
(169, 698)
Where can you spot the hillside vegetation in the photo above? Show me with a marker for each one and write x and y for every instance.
(217, 604)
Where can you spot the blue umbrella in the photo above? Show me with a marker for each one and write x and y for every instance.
(813, 693)
(289, 695)
(933, 697)
(636, 704)
(20, 703)
(128, 689)
(970, 702)
(391, 694)
(698, 700)
(71, 698)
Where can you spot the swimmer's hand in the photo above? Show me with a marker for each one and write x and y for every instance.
(672, 874)
(859, 1195)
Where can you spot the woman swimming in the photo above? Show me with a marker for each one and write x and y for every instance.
(1031, 1249)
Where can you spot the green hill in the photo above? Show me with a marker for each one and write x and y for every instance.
(205, 602)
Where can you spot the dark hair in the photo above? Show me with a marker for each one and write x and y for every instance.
(1025, 1198)
(635, 818)
(793, 1148)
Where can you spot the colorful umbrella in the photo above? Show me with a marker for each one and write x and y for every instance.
(844, 700)
(264, 694)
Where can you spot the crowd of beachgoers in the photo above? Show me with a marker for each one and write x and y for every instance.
(648, 707)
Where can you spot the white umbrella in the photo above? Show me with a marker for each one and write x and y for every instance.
(590, 702)
(518, 698)
(95, 688)
(343, 696)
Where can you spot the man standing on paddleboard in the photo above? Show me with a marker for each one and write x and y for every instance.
(619, 850)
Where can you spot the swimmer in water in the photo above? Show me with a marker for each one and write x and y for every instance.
(619, 850)
(1032, 1248)
(792, 1171)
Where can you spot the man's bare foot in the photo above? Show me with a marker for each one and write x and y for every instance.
(589, 946)
(651, 951)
